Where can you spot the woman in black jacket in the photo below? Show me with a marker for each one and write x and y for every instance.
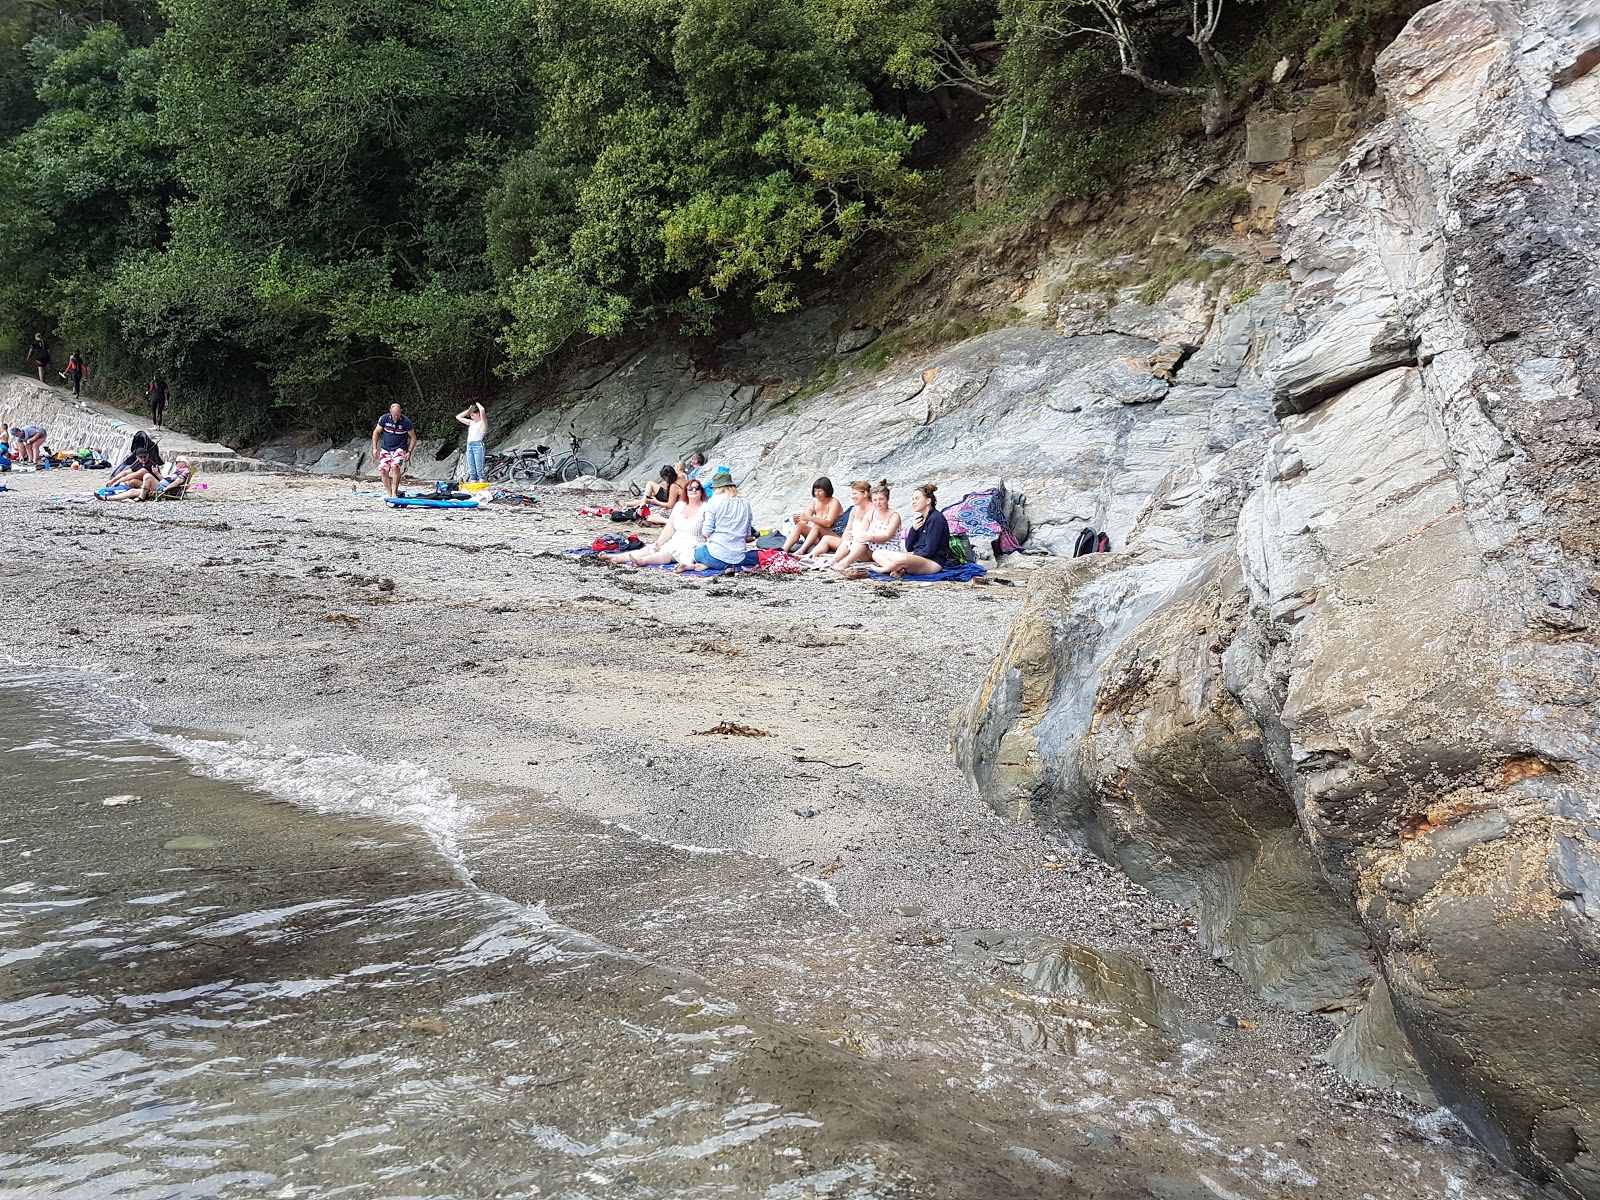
(927, 538)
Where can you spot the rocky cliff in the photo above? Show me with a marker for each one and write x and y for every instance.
(1340, 692)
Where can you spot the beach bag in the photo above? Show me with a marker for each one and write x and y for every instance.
(960, 549)
(779, 562)
(770, 541)
(1085, 543)
(1102, 544)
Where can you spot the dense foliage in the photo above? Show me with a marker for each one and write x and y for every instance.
(295, 205)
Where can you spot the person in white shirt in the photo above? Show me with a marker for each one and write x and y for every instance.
(725, 525)
(477, 422)
(678, 536)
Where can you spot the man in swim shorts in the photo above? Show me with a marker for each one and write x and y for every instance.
(393, 440)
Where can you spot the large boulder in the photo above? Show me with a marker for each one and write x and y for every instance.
(1340, 694)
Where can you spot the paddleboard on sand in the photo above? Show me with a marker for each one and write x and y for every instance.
(417, 502)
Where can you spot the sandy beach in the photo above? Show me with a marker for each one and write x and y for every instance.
(288, 611)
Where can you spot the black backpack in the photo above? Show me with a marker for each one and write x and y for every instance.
(1085, 543)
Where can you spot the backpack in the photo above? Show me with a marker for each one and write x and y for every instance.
(1085, 543)
(959, 554)
(1102, 544)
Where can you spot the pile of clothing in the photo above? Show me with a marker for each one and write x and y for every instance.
(982, 515)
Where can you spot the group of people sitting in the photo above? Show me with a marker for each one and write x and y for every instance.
(870, 532)
(143, 476)
(709, 526)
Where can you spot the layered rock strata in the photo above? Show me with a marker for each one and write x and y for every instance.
(1341, 692)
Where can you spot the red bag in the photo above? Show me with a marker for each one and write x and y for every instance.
(779, 562)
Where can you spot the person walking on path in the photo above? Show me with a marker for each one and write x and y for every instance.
(157, 393)
(477, 422)
(399, 439)
(76, 373)
(39, 355)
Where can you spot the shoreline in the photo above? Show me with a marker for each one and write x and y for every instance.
(285, 611)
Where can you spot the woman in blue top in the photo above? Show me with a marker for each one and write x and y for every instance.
(927, 538)
(725, 526)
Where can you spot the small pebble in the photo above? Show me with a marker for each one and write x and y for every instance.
(909, 910)
(118, 801)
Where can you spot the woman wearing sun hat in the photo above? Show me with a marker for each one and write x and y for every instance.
(725, 526)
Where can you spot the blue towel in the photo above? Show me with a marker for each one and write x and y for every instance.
(752, 562)
(955, 573)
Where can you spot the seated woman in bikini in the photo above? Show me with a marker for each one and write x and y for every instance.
(822, 516)
(927, 540)
(666, 490)
(146, 484)
(880, 531)
(677, 540)
(860, 503)
(663, 495)
(135, 472)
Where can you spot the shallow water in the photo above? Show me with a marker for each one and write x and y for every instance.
(279, 974)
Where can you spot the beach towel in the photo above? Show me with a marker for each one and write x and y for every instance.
(982, 515)
(752, 562)
(954, 573)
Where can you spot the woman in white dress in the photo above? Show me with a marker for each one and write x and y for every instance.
(879, 531)
(677, 539)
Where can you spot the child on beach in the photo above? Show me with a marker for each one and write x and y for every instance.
(476, 419)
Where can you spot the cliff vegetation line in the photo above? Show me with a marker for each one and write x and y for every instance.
(299, 208)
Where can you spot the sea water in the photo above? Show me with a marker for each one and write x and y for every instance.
(234, 970)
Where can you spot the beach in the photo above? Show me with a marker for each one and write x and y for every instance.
(567, 698)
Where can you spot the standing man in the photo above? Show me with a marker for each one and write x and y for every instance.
(39, 355)
(157, 394)
(398, 439)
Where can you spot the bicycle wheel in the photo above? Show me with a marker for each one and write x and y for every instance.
(528, 468)
(575, 467)
(497, 469)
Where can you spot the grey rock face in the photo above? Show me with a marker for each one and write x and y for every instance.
(348, 460)
(1079, 425)
(1342, 695)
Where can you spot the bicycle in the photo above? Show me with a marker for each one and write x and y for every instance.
(497, 467)
(536, 465)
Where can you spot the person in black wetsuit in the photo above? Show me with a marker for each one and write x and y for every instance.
(75, 373)
(157, 393)
(39, 355)
(927, 538)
